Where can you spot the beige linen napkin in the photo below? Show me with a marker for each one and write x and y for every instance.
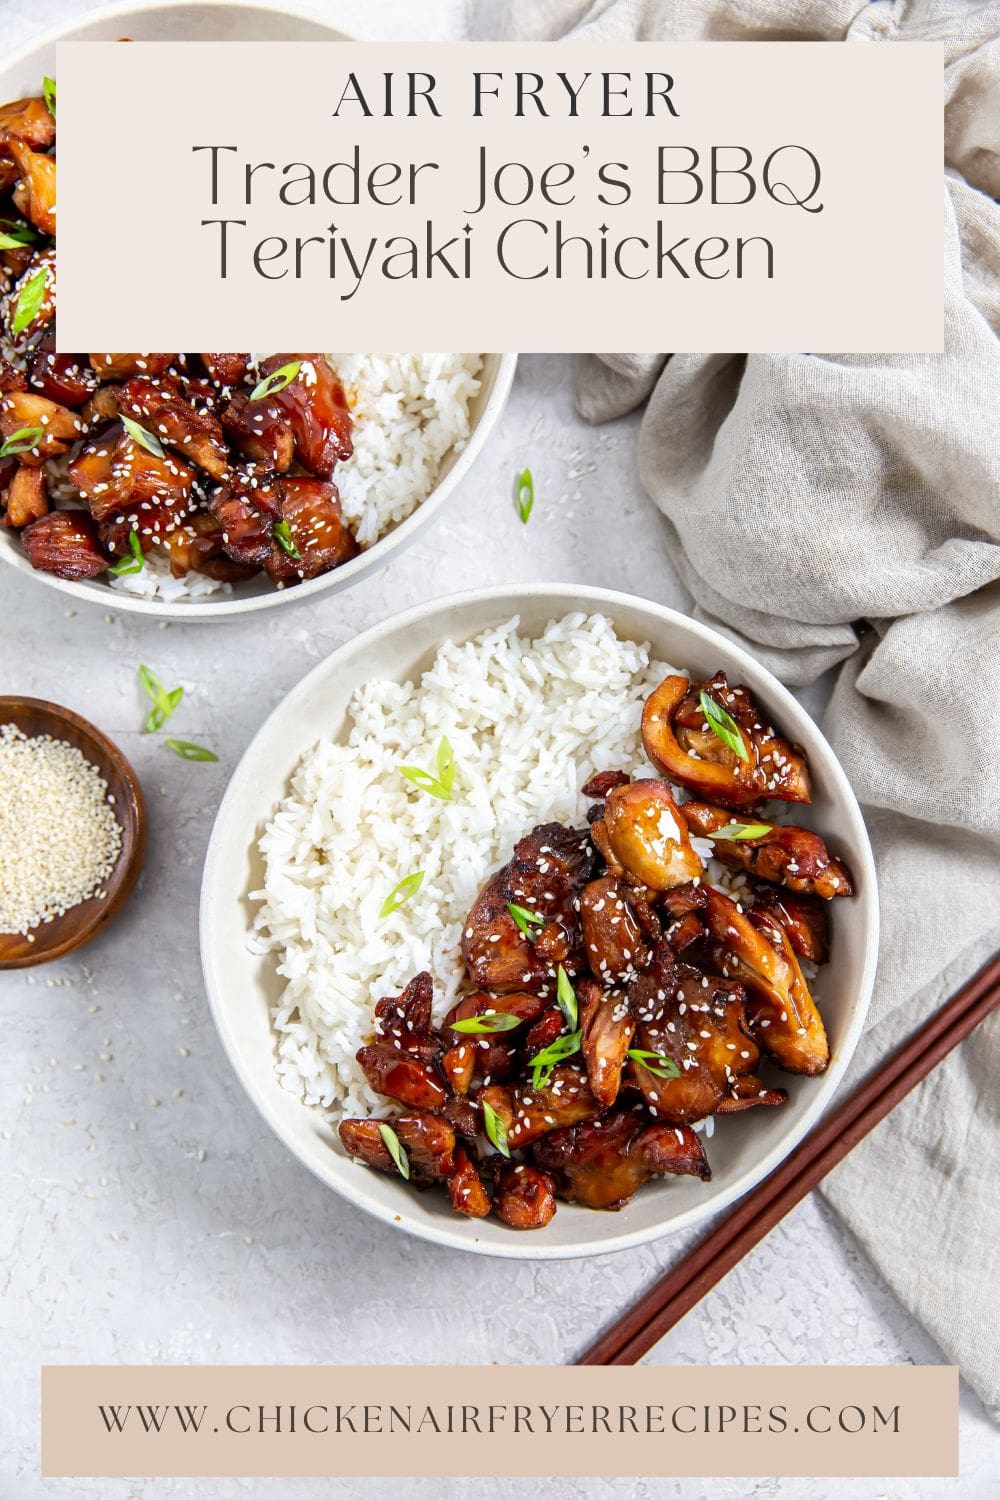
(843, 510)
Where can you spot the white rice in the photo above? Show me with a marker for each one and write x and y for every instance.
(411, 412)
(155, 581)
(528, 721)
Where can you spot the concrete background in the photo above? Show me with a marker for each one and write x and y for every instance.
(148, 1214)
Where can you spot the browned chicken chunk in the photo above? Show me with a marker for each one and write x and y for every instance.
(790, 856)
(27, 497)
(158, 524)
(317, 538)
(317, 410)
(491, 1054)
(606, 1030)
(57, 427)
(806, 920)
(524, 1198)
(549, 869)
(781, 1011)
(401, 1076)
(35, 195)
(363, 1139)
(64, 378)
(261, 429)
(28, 120)
(247, 533)
(613, 941)
(528, 1113)
(466, 1188)
(690, 744)
(156, 403)
(227, 369)
(405, 1020)
(603, 1163)
(65, 543)
(603, 782)
(196, 542)
(698, 1024)
(648, 836)
(458, 1064)
(429, 1142)
(117, 473)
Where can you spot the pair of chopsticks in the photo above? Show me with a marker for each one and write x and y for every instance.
(666, 1302)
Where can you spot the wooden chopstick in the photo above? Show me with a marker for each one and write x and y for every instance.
(666, 1302)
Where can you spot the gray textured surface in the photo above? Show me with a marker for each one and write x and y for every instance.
(148, 1214)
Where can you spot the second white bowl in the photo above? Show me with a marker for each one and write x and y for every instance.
(22, 74)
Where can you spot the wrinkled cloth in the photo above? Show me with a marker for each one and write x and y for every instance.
(842, 511)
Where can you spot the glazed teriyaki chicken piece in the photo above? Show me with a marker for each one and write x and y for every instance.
(215, 463)
(711, 739)
(550, 868)
(619, 996)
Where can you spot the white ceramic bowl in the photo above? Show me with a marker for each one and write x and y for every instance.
(158, 22)
(241, 985)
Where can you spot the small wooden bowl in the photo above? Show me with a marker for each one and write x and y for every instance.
(55, 939)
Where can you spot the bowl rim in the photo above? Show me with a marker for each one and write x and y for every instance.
(50, 35)
(564, 598)
(375, 557)
(138, 815)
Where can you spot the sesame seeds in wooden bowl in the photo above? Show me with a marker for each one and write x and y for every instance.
(72, 831)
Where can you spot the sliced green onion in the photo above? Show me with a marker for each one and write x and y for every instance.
(655, 1062)
(723, 724)
(401, 893)
(187, 751)
(18, 233)
(741, 831)
(49, 90)
(276, 381)
(164, 703)
(144, 438)
(165, 706)
(394, 1146)
(526, 920)
(152, 684)
(525, 493)
(489, 1021)
(134, 564)
(543, 1062)
(444, 759)
(566, 998)
(21, 441)
(440, 785)
(495, 1128)
(29, 300)
(282, 533)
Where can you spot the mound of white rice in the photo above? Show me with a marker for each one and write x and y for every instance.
(528, 721)
(410, 412)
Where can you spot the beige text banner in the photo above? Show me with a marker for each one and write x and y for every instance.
(499, 1420)
(551, 196)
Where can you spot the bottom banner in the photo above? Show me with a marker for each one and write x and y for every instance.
(647, 1420)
